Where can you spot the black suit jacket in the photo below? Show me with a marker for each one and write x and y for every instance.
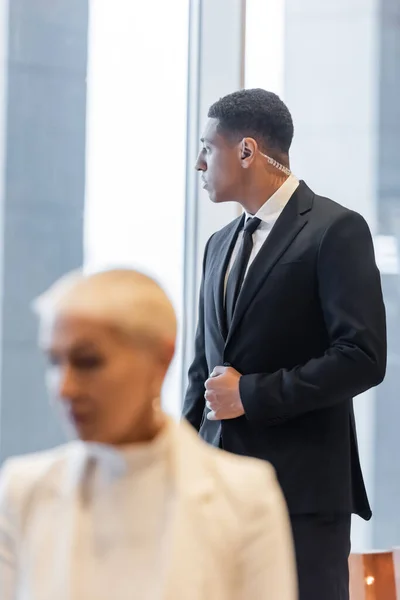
(308, 335)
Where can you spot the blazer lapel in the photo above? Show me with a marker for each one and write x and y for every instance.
(224, 253)
(190, 557)
(292, 220)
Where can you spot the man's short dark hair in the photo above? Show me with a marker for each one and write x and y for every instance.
(258, 114)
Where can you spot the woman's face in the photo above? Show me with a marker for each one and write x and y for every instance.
(104, 384)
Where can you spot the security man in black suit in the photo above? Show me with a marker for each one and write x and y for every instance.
(291, 328)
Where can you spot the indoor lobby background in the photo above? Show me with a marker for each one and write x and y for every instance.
(101, 108)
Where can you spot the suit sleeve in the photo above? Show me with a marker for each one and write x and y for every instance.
(193, 406)
(8, 544)
(267, 561)
(349, 288)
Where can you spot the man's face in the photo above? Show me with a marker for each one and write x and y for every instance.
(103, 384)
(219, 161)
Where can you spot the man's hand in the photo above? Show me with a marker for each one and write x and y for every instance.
(222, 394)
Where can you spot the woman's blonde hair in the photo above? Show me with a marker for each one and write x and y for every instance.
(125, 298)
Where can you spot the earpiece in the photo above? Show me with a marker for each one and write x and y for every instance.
(245, 151)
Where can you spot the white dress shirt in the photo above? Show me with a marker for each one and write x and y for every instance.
(269, 213)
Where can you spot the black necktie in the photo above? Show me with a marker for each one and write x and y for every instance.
(238, 271)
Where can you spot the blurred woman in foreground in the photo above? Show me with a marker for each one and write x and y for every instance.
(129, 510)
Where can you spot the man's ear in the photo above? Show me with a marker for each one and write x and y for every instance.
(248, 149)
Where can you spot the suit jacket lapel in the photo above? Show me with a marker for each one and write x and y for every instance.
(292, 220)
(224, 254)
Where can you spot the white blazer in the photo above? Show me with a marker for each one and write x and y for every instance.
(231, 536)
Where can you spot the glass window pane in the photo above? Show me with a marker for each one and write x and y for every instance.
(136, 127)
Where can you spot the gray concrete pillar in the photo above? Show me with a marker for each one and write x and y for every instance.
(42, 163)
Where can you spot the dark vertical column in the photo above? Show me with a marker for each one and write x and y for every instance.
(42, 199)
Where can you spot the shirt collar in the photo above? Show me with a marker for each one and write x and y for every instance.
(115, 462)
(272, 208)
